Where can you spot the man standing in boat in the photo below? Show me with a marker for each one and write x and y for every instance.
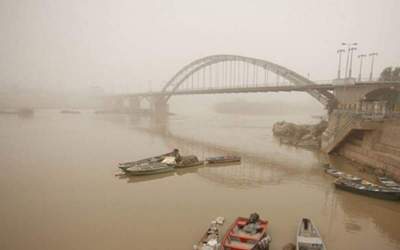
(177, 155)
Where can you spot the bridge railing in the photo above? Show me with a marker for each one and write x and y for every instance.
(372, 115)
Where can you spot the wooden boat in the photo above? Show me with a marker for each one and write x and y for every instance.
(148, 169)
(389, 183)
(339, 174)
(153, 159)
(334, 172)
(223, 159)
(210, 239)
(368, 189)
(189, 161)
(308, 236)
(244, 234)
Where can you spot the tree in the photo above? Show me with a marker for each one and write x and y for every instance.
(390, 74)
(386, 74)
(396, 74)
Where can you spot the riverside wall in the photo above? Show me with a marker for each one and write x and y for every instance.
(377, 148)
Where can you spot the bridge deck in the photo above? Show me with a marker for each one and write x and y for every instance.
(253, 89)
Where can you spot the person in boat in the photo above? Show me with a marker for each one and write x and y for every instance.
(252, 226)
(177, 155)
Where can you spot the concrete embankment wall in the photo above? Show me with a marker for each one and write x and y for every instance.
(378, 148)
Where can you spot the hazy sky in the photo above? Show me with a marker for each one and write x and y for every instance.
(123, 45)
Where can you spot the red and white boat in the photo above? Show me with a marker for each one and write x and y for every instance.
(245, 234)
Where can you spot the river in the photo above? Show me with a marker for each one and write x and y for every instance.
(59, 190)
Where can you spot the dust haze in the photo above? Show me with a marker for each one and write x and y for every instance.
(88, 142)
(59, 53)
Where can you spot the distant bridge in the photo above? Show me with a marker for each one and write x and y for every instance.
(224, 74)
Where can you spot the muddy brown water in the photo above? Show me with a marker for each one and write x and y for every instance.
(58, 187)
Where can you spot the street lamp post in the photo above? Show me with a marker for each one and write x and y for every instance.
(340, 52)
(372, 55)
(349, 48)
(361, 62)
(351, 60)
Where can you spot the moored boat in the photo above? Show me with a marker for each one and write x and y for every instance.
(334, 172)
(70, 111)
(247, 233)
(154, 159)
(389, 183)
(339, 174)
(210, 239)
(189, 161)
(223, 159)
(148, 169)
(308, 236)
(368, 189)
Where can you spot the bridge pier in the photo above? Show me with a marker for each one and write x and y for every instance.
(159, 106)
(116, 104)
(134, 103)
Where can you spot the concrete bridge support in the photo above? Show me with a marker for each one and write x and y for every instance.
(134, 103)
(159, 106)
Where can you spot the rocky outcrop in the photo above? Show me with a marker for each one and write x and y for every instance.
(308, 136)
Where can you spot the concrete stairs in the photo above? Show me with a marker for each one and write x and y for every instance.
(349, 122)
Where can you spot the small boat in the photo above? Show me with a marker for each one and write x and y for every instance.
(189, 161)
(210, 239)
(223, 159)
(308, 236)
(368, 189)
(247, 233)
(389, 183)
(70, 112)
(148, 169)
(154, 159)
(339, 174)
(334, 172)
(8, 112)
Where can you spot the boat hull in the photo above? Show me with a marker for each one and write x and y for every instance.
(374, 194)
(389, 183)
(154, 159)
(221, 160)
(148, 172)
(237, 240)
(191, 165)
(308, 236)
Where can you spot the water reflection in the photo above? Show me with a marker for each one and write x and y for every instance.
(254, 170)
(71, 174)
(352, 226)
(359, 209)
(258, 170)
(137, 179)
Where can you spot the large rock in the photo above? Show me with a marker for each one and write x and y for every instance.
(300, 135)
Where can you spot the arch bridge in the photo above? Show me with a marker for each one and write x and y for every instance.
(224, 74)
